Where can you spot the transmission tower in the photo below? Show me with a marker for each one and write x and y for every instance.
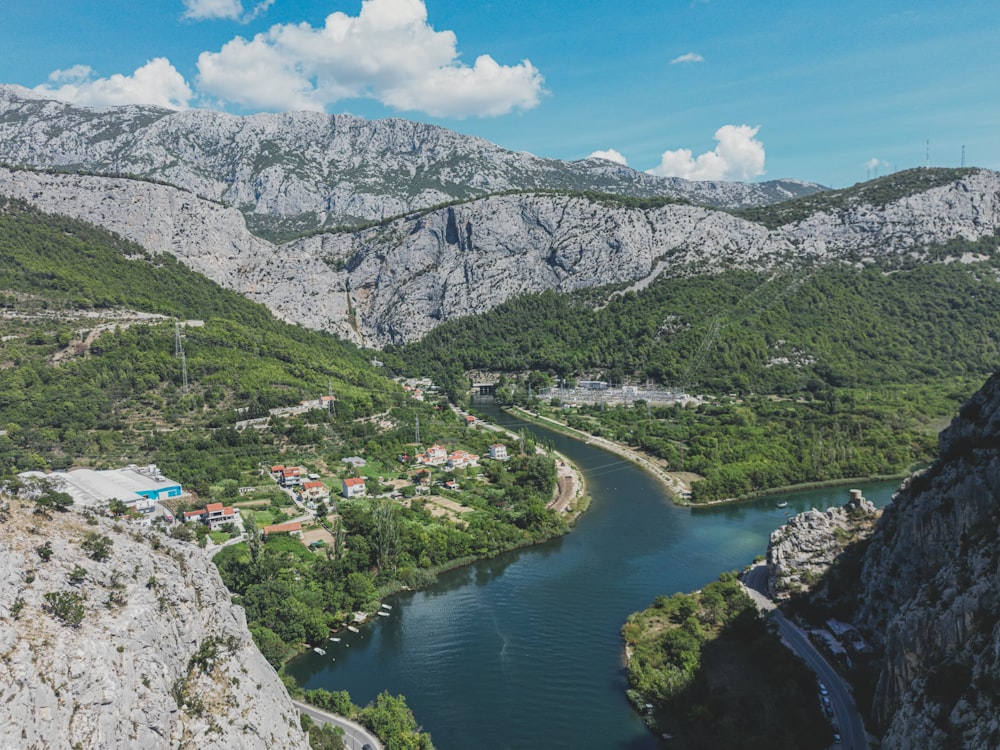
(963, 157)
(177, 339)
(184, 373)
(417, 431)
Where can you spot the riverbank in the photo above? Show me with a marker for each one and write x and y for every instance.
(675, 484)
(678, 484)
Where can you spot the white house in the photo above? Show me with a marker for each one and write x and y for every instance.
(354, 487)
(498, 452)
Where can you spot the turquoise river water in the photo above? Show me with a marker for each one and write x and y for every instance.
(523, 650)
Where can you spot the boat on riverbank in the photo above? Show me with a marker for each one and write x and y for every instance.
(781, 504)
(319, 651)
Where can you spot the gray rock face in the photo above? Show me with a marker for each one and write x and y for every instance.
(320, 170)
(801, 552)
(395, 282)
(161, 658)
(931, 592)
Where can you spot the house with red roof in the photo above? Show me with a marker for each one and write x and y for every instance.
(315, 489)
(354, 487)
(292, 528)
(213, 514)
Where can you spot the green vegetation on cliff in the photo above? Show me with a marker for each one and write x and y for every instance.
(717, 677)
(834, 326)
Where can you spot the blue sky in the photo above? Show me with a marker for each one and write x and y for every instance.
(831, 92)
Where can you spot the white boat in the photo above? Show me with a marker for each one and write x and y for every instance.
(335, 640)
(383, 614)
(319, 651)
(353, 629)
(386, 606)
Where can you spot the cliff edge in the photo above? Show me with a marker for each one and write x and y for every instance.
(118, 637)
(930, 592)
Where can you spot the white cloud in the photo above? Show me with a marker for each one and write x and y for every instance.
(690, 57)
(610, 155)
(157, 83)
(201, 10)
(739, 156)
(388, 52)
(875, 163)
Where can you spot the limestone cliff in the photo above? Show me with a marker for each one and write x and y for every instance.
(395, 282)
(126, 641)
(930, 589)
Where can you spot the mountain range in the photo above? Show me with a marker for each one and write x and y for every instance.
(302, 171)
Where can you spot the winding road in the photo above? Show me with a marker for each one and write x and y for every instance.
(845, 712)
(356, 736)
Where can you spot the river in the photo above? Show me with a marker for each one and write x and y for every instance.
(524, 650)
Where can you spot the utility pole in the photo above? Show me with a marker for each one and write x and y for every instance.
(417, 440)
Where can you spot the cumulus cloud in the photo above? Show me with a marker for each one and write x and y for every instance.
(201, 10)
(875, 163)
(739, 156)
(690, 57)
(388, 53)
(157, 83)
(610, 155)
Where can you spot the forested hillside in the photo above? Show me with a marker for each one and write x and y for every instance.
(782, 333)
(818, 373)
(90, 374)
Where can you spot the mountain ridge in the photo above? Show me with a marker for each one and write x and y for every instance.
(394, 282)
(305, 170)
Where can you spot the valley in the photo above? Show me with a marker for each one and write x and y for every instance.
(220, 295)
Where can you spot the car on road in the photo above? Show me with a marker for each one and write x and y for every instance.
(822, 689)
(836, 739)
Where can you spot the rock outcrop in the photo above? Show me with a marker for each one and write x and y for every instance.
(930, 589)
(802, 551)
(138, 649)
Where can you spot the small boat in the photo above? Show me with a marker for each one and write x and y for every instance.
(386, 606)
(353, 629)
(781, 504)
(383, 614)
(335, 640)
(319, 651)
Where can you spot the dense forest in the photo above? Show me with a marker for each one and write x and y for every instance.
(742, 332)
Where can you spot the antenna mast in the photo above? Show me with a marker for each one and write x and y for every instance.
(927, 156)
(963, 157)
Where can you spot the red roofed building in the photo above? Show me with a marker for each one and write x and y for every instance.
(213, 514)
(315, 489)
(291, 476)
(293, 528)
(354, 487)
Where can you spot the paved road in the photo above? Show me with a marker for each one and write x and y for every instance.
(845, 712)
(355, 735)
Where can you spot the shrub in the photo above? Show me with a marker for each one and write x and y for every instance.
(65, 606)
